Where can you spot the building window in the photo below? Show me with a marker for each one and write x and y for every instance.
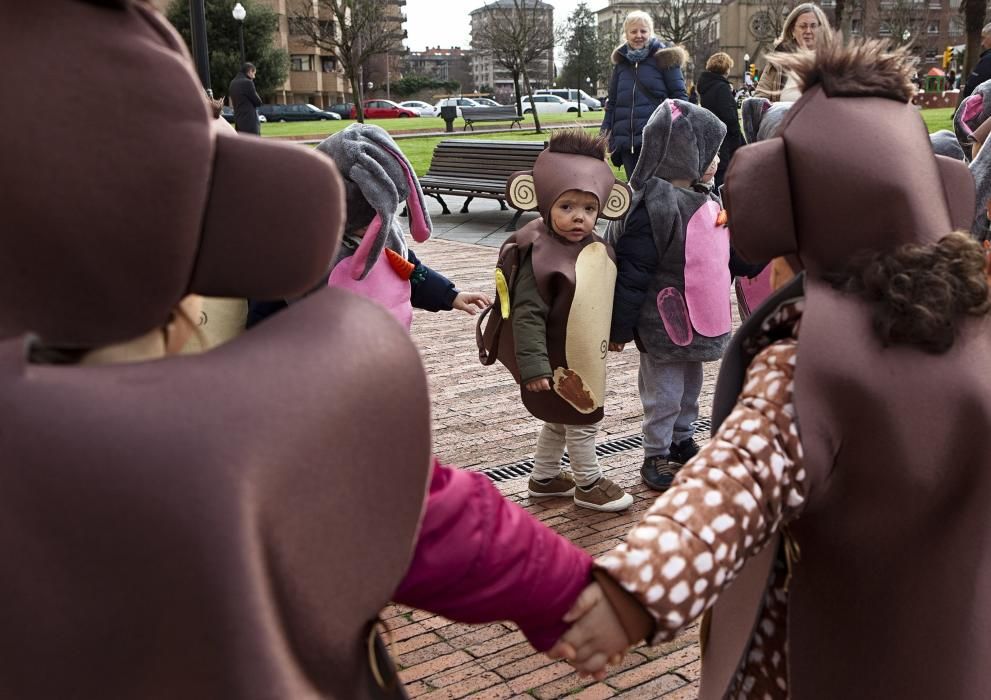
(857, 26)
(935, 4)
(885, 29)
(933, 27)
(328, 64)
(301, 62)
(956, 26)
(930, 55)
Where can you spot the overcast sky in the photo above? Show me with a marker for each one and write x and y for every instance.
(445, 22)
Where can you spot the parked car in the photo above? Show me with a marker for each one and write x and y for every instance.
(228, 114)
(296, 113)
(383, 109)
(424, 109)
(548, 104)
(572, 95)
(458, 102)
(343, 110)
(486, 102)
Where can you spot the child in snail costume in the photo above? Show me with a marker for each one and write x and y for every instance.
(554, 284)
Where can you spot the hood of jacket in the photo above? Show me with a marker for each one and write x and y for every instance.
(709, 80)
(664, 56)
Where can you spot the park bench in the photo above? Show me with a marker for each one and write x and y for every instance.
(490, 114)
(476, 168)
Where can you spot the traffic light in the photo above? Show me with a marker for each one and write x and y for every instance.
(753, 69)
(947, 57)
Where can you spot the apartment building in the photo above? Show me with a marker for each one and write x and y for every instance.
(314, 74)
(487, 72)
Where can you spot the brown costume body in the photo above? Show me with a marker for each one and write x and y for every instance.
(160, 544)
(576, 281)
(891, 594)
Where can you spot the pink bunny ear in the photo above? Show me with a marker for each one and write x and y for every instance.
(418, 225)
(972, 107)
(358, 271)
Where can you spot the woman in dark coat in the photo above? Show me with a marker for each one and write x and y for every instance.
(717, 97)
(645, 73)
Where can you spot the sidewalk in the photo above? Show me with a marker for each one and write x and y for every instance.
(479, 424)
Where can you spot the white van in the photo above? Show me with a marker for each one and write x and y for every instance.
(572, 95)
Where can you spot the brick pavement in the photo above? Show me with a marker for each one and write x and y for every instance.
(479, 423)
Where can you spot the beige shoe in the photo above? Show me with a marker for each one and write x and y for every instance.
(605, 495)
(561, 485)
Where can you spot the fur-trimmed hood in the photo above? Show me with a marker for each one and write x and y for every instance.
(664, 57)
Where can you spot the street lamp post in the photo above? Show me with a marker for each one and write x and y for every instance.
(746, 67)
(239, 14)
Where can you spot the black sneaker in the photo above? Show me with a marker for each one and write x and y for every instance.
(658, 472)
(683, 451)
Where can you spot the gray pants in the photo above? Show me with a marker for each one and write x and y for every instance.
(669, 392)
(580, 441)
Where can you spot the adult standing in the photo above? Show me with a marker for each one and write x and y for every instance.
(245, 100)
(645, 73)
(802, 30)
(982, 71)
(717, 96)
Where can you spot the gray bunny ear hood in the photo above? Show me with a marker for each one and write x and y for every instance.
(375, 168)
(971, 113)
(680, 140)
(761, 117)
(945, 143)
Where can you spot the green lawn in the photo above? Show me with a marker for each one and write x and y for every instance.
(319, 130)
(420, 149)
(937, 119)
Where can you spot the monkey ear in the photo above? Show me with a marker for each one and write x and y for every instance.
(618, 202)
(521, 192)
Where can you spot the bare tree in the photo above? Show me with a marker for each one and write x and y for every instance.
(351, 30)
(688, 23)
(515, 34)
(974, 12)
(903, 21)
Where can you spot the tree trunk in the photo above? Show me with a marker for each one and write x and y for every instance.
(974, 12)
(356, 96)
(838, 17)
(533, 105)
(516, 93)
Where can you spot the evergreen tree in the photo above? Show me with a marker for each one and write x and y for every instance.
(582, 55)
(260, 29)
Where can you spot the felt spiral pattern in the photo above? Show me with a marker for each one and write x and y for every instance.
(523, 194)
(618, 201)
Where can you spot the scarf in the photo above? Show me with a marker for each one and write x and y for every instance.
(636, 55)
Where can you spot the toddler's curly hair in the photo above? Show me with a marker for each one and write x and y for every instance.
(921, 294)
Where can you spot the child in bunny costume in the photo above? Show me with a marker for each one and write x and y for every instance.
(374, 260)
(672, 290)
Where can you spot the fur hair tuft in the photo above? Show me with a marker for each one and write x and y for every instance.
(859, 68)
(579, 142)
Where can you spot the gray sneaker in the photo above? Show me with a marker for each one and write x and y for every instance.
(605, 495)
(561, 485)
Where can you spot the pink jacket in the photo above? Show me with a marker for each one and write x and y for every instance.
(480, 558)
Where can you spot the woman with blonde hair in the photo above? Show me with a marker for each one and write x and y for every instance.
(805, 26)
(645, 73)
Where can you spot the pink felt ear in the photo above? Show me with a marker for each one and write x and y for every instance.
(365, 247)
(972, 107)
(418, 226)
(675, 112)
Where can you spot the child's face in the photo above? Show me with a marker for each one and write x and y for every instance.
(710, 172)
(574, 213)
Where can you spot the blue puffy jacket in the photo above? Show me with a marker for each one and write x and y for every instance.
(630, 104)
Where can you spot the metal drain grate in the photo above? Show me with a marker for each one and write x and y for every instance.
(523, 468)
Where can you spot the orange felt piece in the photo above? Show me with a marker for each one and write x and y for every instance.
(403, 267)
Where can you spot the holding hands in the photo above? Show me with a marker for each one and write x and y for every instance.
(596, 638)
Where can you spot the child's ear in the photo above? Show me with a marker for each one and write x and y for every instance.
(618, 202)
(521, 192)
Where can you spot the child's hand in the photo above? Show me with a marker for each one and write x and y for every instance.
(471, 302)
(616, 347)
(596, 639)
(542, 384)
